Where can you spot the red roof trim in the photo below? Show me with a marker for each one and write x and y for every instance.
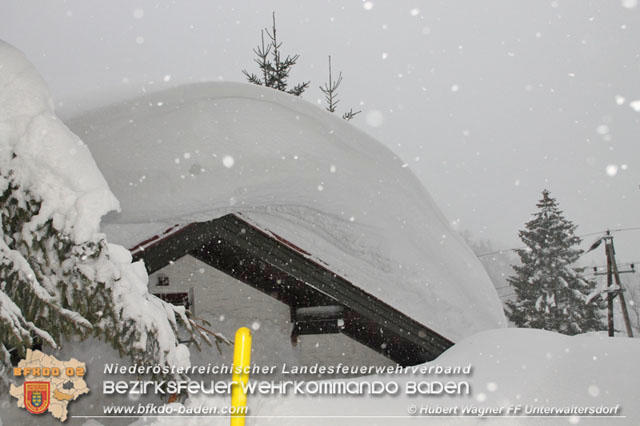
(152, 241)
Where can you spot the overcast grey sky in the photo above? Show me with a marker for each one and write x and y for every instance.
(489, 102)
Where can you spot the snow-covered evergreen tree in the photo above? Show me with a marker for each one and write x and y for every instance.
(58, 275)
(550, 294)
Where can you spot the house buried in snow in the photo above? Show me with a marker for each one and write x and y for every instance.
(256, 208)
(319, 301)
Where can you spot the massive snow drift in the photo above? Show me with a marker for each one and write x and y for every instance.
(200, 151)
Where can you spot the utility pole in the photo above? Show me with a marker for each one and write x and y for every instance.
(614, 273)
(610, 294)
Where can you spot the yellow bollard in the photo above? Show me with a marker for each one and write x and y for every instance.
(241, 363)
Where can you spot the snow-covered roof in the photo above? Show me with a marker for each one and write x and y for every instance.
(200, 151)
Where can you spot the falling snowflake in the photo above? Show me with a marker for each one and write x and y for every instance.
(374, 118)
(228, 161)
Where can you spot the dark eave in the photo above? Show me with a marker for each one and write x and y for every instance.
(281, 270)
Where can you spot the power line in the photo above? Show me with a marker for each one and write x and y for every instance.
(581, 236)
(500, 251)
(637, 228)
(633, 262)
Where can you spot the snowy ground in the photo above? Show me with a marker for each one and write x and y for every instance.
(510, 366)
(513, 366)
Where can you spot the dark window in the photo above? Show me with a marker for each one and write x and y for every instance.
(177, 299)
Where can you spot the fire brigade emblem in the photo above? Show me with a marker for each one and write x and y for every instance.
(36, 396)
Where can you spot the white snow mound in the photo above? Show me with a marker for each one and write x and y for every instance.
(50, 160)
(200, 151)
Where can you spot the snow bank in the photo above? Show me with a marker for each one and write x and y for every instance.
(510, 366)
(200, 151)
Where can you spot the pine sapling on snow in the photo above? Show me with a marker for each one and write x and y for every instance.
(274, 67)
(330, 91)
